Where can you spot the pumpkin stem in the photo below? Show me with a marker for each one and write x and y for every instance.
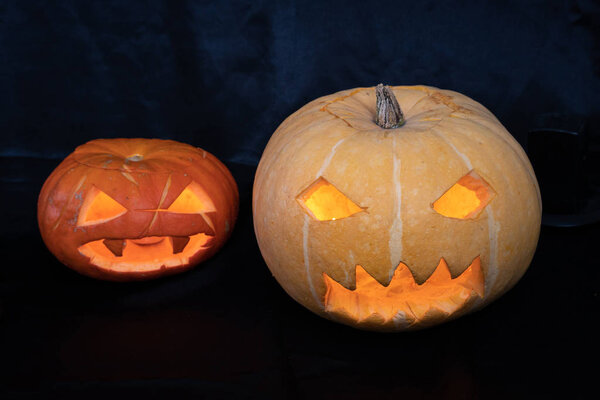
(388, 112)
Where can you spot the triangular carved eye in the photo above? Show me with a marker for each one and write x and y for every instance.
(192, 200)
(98, 207)
(324, 202)
(466, 198)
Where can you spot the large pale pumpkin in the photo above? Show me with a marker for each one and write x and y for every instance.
(399, 228)
(133, 209)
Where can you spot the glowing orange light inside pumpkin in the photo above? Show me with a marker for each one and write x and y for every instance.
(466, 198)
(193, 199)
(144, 254)
(403, 301)
(99, 207)
(325, 202)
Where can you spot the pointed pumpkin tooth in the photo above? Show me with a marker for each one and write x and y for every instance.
(115, 246)
(441, 274)
(402, 281)
(364, 281)
(472, 278)
(179, 243)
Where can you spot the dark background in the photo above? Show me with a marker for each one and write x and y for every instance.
(222, 75)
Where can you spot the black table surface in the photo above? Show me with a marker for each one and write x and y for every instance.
(226, 329)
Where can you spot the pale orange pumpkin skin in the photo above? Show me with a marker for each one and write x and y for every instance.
(395, 175)
(165, 168)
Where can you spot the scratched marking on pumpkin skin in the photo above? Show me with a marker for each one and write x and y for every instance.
(341, 98)
(78, 196)
(128, 176)
(440, 98)
(77, 187)
(160, 203)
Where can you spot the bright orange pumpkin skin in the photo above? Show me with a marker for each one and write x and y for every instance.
(144, 176)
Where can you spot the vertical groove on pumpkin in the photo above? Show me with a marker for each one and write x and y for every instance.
(492, 271)
(395, 241)
(458, 153)
(306, 260)
(493, 229)
(328, 158)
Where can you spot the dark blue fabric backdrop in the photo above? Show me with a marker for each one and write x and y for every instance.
(222, 75)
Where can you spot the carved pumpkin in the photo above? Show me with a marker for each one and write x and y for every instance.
(391, 221)
(133, 209)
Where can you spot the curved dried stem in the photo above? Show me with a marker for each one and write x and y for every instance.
(388, 112)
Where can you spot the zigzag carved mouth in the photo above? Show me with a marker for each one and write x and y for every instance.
(404, 303)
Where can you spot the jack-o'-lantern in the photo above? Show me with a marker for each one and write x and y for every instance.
(395, 209)
(134, 209)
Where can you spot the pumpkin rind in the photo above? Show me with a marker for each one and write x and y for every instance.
(395, 175)
(141, 175)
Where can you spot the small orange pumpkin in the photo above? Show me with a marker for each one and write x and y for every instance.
(389, 221)
(135, 209)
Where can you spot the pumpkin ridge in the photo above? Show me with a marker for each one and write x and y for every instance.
(521, 156)
(306, 255)
(493, 228)
(298, 135)
(524, 163)
(492, 264)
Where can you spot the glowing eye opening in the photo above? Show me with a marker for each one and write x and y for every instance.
(324, 202)
(466, 198)
(192, 200)
(98, 207)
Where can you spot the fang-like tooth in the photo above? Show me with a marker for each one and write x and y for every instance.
(115, 246)
(179, 243)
